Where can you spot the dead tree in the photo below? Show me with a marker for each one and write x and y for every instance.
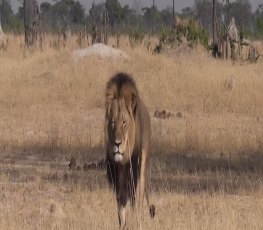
(233, 38)
(82, 36)
(65, 30)
(106, 23)
(99, 24)
(95, 24)
(215, 51)
(152, 14)
(1, 30)
(31, 22)
(2, 34)
(3, 40)
(173, 25)
(253, 53)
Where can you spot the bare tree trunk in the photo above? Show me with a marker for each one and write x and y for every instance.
(226, 23)
(173, 25)
(31, 21)
(153, 15)
(215, 41)
(227, 12)
(100, 26)
(2, 12)
(106, 26)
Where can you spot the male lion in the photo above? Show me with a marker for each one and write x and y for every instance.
(128, 133)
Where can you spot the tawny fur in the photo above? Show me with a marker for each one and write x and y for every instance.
(127, 121)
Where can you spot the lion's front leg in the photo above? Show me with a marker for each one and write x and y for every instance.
(142, 178)
(143, 188)
(122, 216)
(122, 202)
(122, 195)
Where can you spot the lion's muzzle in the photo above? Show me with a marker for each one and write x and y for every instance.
(118, 157)
(118, 152)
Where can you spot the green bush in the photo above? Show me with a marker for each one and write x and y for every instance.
(136, 36)
(192, 32)
(197, 34)
(167, 36)
(13, 24)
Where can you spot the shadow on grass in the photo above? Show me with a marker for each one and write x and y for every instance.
(51, 165)
(170, 172)
(182, 173)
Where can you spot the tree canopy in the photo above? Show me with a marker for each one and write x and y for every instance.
(73, 13)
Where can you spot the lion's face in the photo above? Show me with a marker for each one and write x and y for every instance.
(121, 131)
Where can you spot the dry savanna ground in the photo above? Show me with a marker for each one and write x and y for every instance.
(207, 159)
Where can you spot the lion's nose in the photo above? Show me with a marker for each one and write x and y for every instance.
(117, 143)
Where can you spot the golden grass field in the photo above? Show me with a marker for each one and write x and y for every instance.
(207, 163)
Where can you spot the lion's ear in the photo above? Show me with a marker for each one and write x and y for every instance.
(130, 98)
(110, 96)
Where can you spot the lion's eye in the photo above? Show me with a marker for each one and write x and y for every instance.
(124, 123)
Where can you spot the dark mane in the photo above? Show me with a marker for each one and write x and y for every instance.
(128, 168)
(122, 81)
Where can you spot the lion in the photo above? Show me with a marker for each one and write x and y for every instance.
(128, 132)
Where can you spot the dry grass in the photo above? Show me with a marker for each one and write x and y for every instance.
(207, 166)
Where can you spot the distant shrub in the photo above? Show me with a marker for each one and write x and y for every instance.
(196, 33)
(167, 36)
(136, 36)
(190, 33)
